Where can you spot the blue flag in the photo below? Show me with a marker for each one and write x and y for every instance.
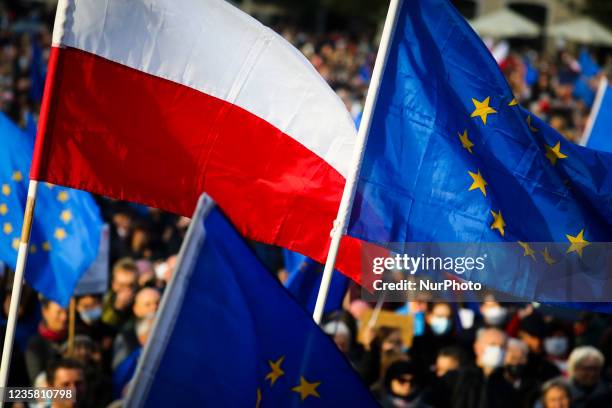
(304, 281)
(229, 335)
(600, 134)
(452, 157)
(66, 228)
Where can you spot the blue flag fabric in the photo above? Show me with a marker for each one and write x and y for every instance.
(229, 335)
(66, 228)
(452, 156)
(601, 132)
(304, 280)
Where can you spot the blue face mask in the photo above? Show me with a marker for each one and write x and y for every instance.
(91, 315)
(439, 325)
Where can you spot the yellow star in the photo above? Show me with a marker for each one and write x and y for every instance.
(17, 176)
(554, 153)
(258, 402)
(482, 109)
(578, 243)
(66, 216)
(7, 228)
(513, 102)
(533, 129)
(3, 209)
(547, 257)
(6, 189)
(276, 372)
(60, 234)
(527, 250)
(465, 141)
(33, 249)
(62, 196)
(46, 246)
(306, 389)
(479, 182)
(15, 244)
(498, 222)
(49, 185)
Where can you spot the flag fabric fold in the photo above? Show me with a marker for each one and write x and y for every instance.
(227, 316)
(158, 101)
(453, 157)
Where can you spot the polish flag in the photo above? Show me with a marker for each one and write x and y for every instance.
(157, 101)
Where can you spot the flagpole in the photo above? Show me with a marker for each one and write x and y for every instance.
(348, 194)
(71, 325)
(22, 255)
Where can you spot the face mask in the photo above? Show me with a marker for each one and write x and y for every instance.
(492, 357)
(515, 370)
(439, 325)
(556, 346)
(91, 315)
(160, 270)
(495, 316)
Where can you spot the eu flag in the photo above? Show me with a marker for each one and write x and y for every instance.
(453, 157)
(67, 223)
(229, 335)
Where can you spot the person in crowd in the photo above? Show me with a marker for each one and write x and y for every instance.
(494, 314)
(557, 345)
(145, 306)
(516, 374)
(89, 323)
(584, 367)
(532, 330)
(87, 353)
(450, 358)
(125, 370)
(45, 346)
(555, 394)
(68, 374)
(342, 327)
(403, 386)
(439, 333)
(385, 347)
(117, 304)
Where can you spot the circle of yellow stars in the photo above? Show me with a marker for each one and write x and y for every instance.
(482, 109)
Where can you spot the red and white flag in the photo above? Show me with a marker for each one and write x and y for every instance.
(157, 101)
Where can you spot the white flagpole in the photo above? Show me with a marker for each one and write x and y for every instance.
(348, 194)
(17, 284)
(601, 90)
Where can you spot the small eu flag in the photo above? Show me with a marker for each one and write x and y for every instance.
(453, 157)
(229, 335)
(66, 227)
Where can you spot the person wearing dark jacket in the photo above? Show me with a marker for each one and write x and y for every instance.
(44, 348)
(439, 333)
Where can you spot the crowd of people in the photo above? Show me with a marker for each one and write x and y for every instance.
(505, 355)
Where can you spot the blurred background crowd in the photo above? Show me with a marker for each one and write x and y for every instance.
(456, 355)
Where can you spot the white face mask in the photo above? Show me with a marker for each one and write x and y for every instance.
(556, 346)
(160, 270)
(439, 324)
(495, 316)
(492, 357)
(91, 315)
